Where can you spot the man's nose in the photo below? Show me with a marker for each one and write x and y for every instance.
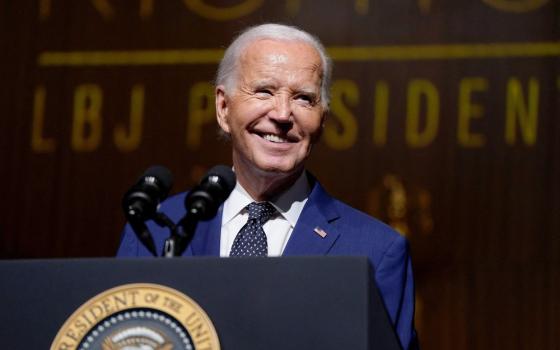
(282, 109)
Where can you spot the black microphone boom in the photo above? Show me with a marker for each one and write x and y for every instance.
(141, 201)
(201, 203)
(204, 200)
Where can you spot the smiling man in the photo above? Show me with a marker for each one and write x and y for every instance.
(271, 102)
(273, 111)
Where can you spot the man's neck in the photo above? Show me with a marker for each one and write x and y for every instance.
(264, 186)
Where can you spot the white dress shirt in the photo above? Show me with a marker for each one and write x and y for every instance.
(278, 228)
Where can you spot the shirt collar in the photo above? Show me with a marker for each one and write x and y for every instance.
(289, 204)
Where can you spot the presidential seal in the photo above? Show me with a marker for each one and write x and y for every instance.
(138, 317)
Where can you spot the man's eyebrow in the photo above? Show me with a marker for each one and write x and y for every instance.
(311, 91)
(263, 83)
(308, 91)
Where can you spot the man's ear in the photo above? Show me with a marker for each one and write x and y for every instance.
(322, 128)
(319, 133)
(222, 106)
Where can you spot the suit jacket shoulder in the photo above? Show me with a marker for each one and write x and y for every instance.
(349, 231)
(362, 233)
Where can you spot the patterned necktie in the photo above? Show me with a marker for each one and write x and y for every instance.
(251, 239)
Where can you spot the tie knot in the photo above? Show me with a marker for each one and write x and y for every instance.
(260, 211)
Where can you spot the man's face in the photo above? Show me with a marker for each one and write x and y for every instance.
(274, 113)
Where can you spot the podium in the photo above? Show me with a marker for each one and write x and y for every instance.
(253, 303)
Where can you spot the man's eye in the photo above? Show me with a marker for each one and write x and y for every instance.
(305, 98)
(265, 92)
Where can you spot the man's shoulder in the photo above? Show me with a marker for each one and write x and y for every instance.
(363, 234)
(361, 221)
(348, 216)
(360, 233)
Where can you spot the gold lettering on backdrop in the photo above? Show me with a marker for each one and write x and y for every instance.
(206, 9)
(421, 90)
(521, 111)
(223, 13)
(518, 6)
(345, 136)
(381, 113)
(39, 143)
(469, 110)
(129, 141)
(342, 127)
(86, 123)
(202, 111)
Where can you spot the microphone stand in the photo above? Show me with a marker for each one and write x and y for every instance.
(182, 234)
(169, 249)
(143, 234)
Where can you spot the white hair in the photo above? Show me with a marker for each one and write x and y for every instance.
(227, 70)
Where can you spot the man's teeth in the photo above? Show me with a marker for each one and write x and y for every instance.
(274, 138)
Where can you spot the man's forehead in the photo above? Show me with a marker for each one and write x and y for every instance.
(311, 86)
(275, 57)
(295, 57)
(280, 51)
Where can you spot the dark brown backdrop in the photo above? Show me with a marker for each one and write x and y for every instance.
(444, 124)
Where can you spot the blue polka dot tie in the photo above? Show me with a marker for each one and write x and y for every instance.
(251, 239)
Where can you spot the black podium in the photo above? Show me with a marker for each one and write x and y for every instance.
(253, 303)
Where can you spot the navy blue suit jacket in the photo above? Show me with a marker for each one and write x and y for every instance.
(349, 232)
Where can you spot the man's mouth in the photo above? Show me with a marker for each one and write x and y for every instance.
(274, 138)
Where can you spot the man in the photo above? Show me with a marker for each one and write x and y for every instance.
(271, 102)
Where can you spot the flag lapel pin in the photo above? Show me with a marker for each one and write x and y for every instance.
(320, 232)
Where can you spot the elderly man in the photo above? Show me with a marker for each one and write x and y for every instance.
(271, 101)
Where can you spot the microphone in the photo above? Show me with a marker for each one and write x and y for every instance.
(203, 201)
(141, 201)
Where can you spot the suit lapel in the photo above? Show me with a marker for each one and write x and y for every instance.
(319, 213)
(206, 240)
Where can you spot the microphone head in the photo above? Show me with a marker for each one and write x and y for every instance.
(141, 201)
(161, 176)
(204, 200)
(224, 176)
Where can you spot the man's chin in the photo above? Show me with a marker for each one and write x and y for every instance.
(275, 170)
(268, 167)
